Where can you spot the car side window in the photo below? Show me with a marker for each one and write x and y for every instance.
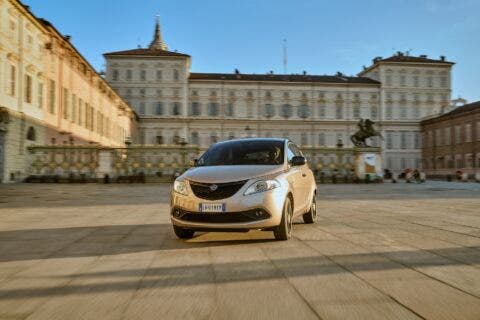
(290, 152)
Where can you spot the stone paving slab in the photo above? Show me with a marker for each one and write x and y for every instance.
(378, 251)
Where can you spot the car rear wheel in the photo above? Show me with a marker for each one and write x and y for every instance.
(284, 230)
(311, 215)
(183, 233)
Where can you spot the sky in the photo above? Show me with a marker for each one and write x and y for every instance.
(323, 37)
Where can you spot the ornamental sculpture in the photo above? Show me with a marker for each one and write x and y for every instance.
(365, 131)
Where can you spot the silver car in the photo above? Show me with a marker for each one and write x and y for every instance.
(245, 184)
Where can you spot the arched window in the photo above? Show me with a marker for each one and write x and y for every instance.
(269, 110)
(304, 112)
(286, 111)
(194, 138)
(31, 135)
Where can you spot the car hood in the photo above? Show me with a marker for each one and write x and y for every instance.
(221, 174)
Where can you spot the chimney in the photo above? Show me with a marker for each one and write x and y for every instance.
(442, 58)
(339, 74)
(304, 72)
(67, 37)
(423, 56)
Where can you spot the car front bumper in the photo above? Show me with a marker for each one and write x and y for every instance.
(238, 208)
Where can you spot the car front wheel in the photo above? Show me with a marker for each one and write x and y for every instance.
(284, 230)
(183, 233)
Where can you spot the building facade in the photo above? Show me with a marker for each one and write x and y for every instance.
(452, 142)
(175, 104)
(49, 94)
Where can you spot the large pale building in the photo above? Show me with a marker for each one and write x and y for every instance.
(49, 94)
(177, 105)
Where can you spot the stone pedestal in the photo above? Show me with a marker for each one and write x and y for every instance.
(368, 161)
(104, 164)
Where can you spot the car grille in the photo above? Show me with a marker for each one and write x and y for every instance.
(223, 190)
(221, 217)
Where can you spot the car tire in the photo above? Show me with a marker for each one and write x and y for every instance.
(284, 230)
(311, 215)
(183, 233)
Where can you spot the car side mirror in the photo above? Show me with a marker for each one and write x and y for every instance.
(193, 162)
(298, 161)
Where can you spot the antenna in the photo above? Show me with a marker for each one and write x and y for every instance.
(285, 61)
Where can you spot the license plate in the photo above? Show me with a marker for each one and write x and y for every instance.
(212, 207)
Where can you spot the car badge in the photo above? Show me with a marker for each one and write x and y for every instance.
(213, 187)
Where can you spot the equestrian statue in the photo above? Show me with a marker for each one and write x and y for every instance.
(365, 131)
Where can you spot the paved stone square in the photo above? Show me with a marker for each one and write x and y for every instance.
(378, 251)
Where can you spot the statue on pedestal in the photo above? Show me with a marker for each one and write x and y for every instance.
(365, 131)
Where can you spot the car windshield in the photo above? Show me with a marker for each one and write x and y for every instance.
(248, 152)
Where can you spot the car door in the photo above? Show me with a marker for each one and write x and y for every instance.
(304, 184)
(295, 180)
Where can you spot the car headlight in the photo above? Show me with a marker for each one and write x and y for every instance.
(261, 186)
(180, 187)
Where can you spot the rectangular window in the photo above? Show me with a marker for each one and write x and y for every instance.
(141, 108)
(175, 75)
(129, 74)
(176, 109)
(403, 140)
(321, 139)
(418, 141)
(388, 80)
(402, 80)
(229, 110)
(12, 81)
(65, 103)
(339, 112)
(159, 75)
(195, 109)
(429, 81)
(356, 112)
(143, 75)
(115, 75)
(73, 113)
(468, 132)
(403, 112)
(388, 112)
(478, 130)
(159, 109)
(448, 136)
(28, 89)
(51, 97)
(80, 112)
(457, 135)
(438, 137)
(87, 116)
(389, 140)
(40, 95)
(416, 112)
(322, 111)
(159, 139)
(373, 112)
(415, 81)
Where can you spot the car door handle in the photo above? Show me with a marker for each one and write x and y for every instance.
(304, 175)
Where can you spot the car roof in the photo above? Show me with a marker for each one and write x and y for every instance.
(254, 139)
